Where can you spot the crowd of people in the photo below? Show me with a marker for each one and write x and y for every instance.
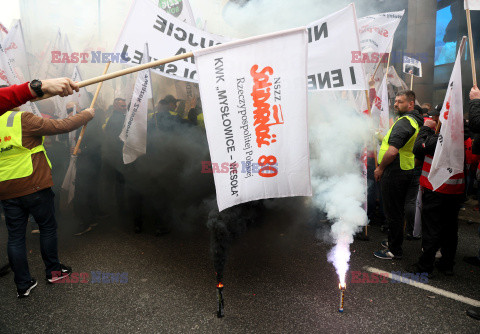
(30, 188)
(398, 176)
(409, 207)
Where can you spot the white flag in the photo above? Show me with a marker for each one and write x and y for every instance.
(82, 95)
(472, 4)
(254, 96)
(166, 36)
(376, 31)
(380, 109)
(449, 153)
(69, 181)
(7, 73)
(134, 132)
(14, 47)
(331, 42)
(179, 8)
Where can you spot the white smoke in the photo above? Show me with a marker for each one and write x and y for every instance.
(338, 134)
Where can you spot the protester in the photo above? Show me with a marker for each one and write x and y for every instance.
(16, 95)
(440, 208)
(474, 125)
(25, 188)
(396, 171)
(113, 149)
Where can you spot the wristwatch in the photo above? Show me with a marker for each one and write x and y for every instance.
(36, 86)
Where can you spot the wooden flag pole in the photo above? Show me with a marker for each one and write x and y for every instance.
(91, 106)
(411, 81)
(133, 69)
(470, 44)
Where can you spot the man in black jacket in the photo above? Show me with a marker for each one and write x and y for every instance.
(474, 125)
(396, 171)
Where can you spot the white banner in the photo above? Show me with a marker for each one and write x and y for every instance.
(179, 8)
(166, 36)
(254, 98)
(331, 42)
(376, 31)
(380, 109)
(14, 47)
(134, 132)
(472, 4)
(412, 66)
(449, 153)
(82, 95)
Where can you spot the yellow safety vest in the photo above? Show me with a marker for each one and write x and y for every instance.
(200, 120)
(15, 160)
(407, 158)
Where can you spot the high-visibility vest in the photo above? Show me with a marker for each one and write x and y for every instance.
(200, 120)
(15, 160)
(407, 158)
(454, 185)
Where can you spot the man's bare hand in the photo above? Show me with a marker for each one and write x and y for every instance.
(371, 82)
(431, 124)
(378, 174)
(474, 93)
(58, 86)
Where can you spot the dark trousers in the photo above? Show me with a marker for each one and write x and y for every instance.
(411, 201)
(41, 206)
(395, 184)
(87, 184)
(439, 228)
(373, 192)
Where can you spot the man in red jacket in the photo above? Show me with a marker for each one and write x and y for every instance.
(16, 95)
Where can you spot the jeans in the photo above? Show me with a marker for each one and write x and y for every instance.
(41, 206)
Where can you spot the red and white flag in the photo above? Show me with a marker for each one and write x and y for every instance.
(254, 97)
(380, 109)
(449, 154)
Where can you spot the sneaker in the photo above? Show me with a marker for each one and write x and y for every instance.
(82, 230)
(438, 255)
(64, 272)
(23, 293)
(384, 243)
(4, 270)
(473, 260)
(385, 254)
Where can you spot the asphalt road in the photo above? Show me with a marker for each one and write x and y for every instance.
(277, 280)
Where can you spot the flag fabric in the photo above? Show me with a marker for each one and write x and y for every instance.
(180, 9)
(134, 132)
(377, 31)
(254, 98)
(449, 154)
(14, 46)
(166, 36)
(472, 4)
(332, 41)
(380, 109)
(82, 95)
(69, 181)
